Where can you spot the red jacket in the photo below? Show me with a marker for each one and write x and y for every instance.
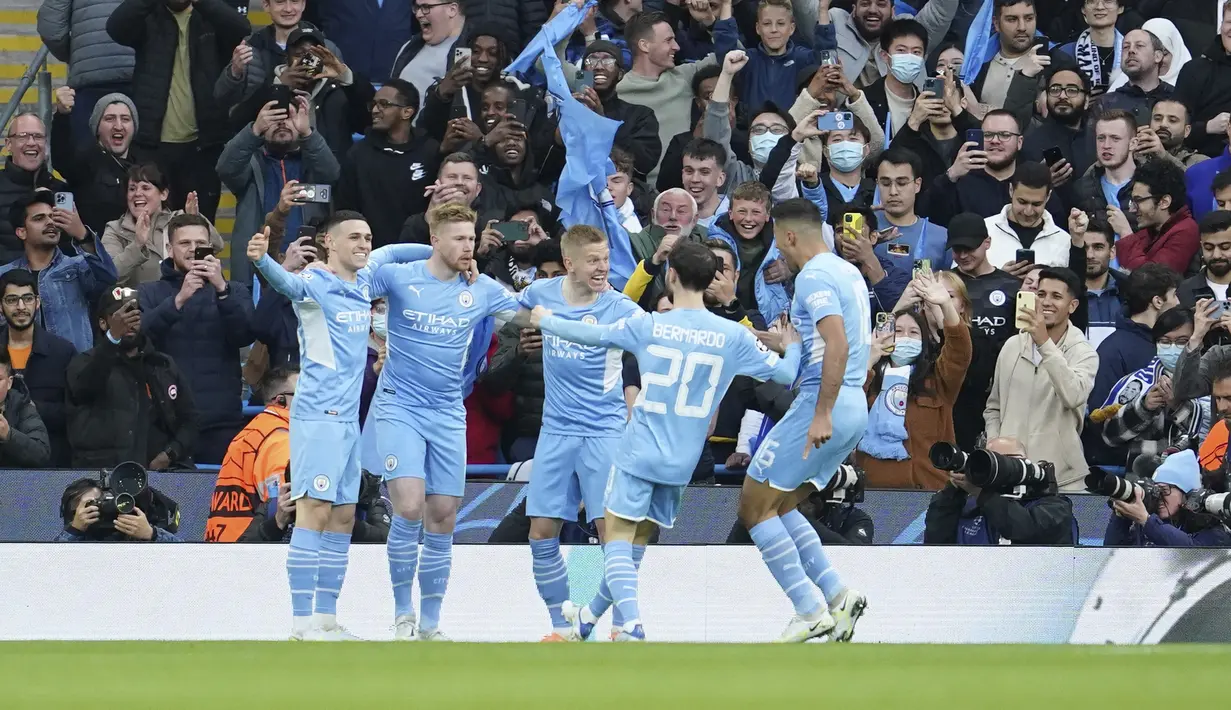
(1177, 243)
(486, 413)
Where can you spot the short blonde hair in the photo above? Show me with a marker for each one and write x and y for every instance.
(450, 213)
(953, 281)
(578, 237)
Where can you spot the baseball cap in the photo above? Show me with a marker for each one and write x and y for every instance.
(966, 231)
(305, 34)
(112, 299)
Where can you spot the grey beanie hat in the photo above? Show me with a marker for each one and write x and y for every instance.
(96, 116)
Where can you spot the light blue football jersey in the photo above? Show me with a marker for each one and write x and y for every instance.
(334, 319)
(826, 286)
(687, 358)
(430, 327)
(583, 384)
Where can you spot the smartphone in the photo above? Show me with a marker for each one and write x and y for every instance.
(1042, 41)
(517, 109)
(64, 201)
(828, 56)
(1025, 302)
(458, 109)
(461, 54)
(512, 231)
(884, 325)
(975, 135)
(311, 63)
(922, 266)
(1052, 156)
(202, 252)
(309, 232)
(836, 121)
(936, 86)
(282, 95)
(1025, 255)
(854, 222)
(586, 78)
(315, 193)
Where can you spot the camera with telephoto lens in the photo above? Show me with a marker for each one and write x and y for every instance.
(987, 469)
(947, 457)
(120, 488)
(1121, 488)
(847, 486)
(1203, 500)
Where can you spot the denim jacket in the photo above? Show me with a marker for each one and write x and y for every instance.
(68, 289)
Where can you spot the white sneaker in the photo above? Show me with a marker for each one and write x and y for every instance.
(432, 635)
(405, 628)
(847, 613)
(625, 635)
(330, 633)
(578, 617)
(800, 629)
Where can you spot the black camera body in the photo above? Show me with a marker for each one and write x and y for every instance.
(993, 471)
(1206, 501)
(120, 488)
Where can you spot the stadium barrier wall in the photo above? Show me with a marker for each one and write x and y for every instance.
(31, 509)
(688, 593)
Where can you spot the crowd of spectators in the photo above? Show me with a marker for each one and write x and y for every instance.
(970, 157)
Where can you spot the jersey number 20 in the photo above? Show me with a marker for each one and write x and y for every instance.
(689, 365)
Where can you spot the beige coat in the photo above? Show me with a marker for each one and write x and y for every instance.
(137, 264)
(814, 149)
(1044, 405)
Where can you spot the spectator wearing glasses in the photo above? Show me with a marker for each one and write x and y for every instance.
(899, 179)
(1166, 231)
(638, 133)
(39, 359)
(1066, 126)
(201, 320)
(1173, 525)
(429, 54)
(25, 169)
(70, 277)
(385, 174)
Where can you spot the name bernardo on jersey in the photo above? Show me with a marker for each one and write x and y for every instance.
(691, 336)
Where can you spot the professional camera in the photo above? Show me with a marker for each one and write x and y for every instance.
(947, 457)
(120, 488)
(1121, 489)
(1204, 500)
(847, 486)
(987, 469)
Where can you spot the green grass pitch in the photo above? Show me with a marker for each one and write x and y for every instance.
(599, 675)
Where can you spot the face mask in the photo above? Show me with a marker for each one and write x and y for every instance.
(380, 324)
(846, 156)
(906, 67)
(1169, 355)
(760, 147)
(905, 351)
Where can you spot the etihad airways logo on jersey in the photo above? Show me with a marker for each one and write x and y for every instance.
(356, 321)
(433, 323)
(566, 349)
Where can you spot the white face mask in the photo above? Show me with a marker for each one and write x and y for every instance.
(380, 325)
(906, 68)
(761, 146)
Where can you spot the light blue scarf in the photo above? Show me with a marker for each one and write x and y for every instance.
(887, 419)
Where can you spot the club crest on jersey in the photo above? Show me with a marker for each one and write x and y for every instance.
(391, 462)
(321, 483)
(173, 392)
(589, 319)
(996, 298)
(367, 293)
(466, 299)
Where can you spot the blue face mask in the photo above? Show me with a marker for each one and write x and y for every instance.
(846, 156)
(1170, 355)
(380, 324)
(906, 68)
(905, 351)
(761, 146)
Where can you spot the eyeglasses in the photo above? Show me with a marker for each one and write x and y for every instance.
(425, 7)
(1139, 201)
(761, 129)
(27, 137)
(1104, 3)
(1181, 341)
(25, 298)
(1070, 91)
(1001, 136)
(384, 105)
(596, 62)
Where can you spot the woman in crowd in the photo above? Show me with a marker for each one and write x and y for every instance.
(913, 383)
(137, 241)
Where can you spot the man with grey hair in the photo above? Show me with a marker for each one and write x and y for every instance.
(1141, 61)
(97, 171)
(25, 169)
(674, 218)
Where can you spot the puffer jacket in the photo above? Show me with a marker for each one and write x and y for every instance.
(27, 445)
(521, 374)
(204, 339)
(266, 54)
(75, 31)
(16, 183)
(137, 264)
(526, 16)
(150, 28)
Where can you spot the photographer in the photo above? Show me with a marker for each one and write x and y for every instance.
(1156, 515)
(965, 514)
(831, 511)
(82, 515)
(372, 516)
